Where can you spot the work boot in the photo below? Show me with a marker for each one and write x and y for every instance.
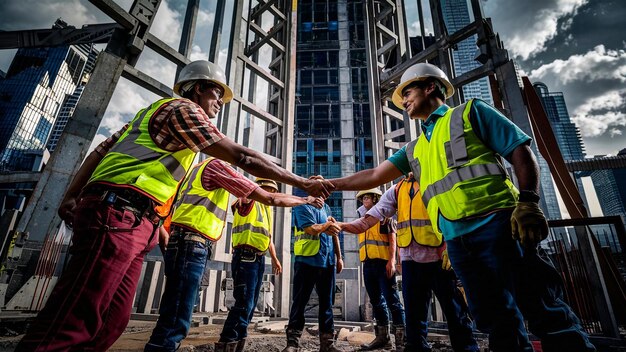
(399, 337)
(240, 345)
(382, 340)
(327, 342)
(293, 340)
(226, 346)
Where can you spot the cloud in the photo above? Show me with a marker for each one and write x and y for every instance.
(594, 65)
(526, 26)
(603, 113)
(197, 53)
(167, 25)
(37, 14)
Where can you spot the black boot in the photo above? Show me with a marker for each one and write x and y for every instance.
(382, 340)
(240, 345)
(293, 340)
(226, 346)
(399, 337)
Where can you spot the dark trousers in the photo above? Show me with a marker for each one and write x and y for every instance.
(305, 278)
(383, 292)
(419, 280)
(248, 269)
(91, 303)
(506, 284)
(184, 265)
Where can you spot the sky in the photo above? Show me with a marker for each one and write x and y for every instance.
(577, 47)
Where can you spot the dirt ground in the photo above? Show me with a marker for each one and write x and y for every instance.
(262, 337)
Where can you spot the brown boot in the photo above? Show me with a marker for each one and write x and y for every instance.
(226, 346)
(240, 345)
(293, 340)
(399, 337)
(327, 342)
(382, 340)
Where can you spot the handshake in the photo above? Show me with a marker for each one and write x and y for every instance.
(332, 227)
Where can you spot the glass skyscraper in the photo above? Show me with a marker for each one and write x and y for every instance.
(610, 186)
(565, 131)
(333, 134)
(456, 16)
(37, 97)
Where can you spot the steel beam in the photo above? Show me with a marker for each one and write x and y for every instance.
(39, 38)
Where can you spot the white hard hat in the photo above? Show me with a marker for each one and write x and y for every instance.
(375, 191)
(420, 72)
(204, 70)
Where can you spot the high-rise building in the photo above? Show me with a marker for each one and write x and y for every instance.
(610, 186)
(333, 134)
(565, 131)
(37, 97)
(456, 16)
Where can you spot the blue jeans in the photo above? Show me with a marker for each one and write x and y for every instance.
(248, 272)
(383, 292)
(305, 278)
(505, 284)
(419, 280)
(184, 264)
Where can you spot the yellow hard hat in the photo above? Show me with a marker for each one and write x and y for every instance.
(204, 70)
(375, 191)
(421, 72)
(262, 181)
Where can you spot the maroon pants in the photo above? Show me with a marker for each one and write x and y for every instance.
(90, 306)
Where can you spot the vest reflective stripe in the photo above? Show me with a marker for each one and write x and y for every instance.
(198, 209)
(137, 162)
(460, 175)
(458, 184)
(456, 149)
(413, 221)
(138, 151)
(253, 229)
(373, 244)
(306, 245)
(414, 164)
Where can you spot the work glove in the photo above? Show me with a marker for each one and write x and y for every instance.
(445, 261)
(528, 224)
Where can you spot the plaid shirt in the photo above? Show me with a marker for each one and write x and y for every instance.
(178, 124)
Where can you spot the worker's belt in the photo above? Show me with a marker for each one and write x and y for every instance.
(125, 199)
(187, 235)
(248, 254)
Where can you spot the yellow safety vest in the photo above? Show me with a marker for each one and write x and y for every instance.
(413, 222)
(306, 245)
(373, 244)
(137, 162)
(459, 176)
(254, 229)
(200, 210)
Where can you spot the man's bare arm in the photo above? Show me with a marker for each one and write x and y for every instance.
(366, 179)
(283, 200)
(359, 225)
(258, 165)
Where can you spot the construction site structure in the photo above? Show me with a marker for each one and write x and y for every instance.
(261, 39)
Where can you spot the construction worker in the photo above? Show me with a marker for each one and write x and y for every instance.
(491, 229)
(317, 257)
(252, 237)
(197, 223)
(377, 252)
(424, 268)
(117, 198)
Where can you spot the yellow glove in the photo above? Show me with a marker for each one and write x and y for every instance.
(445, 261)
(528, 224)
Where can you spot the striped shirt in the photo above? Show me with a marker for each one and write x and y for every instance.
(178, 124)
(219, 174)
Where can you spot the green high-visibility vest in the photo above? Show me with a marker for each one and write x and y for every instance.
(254, 229)
(459, 176)
(137, 162)
(306, 245)
(200, 210)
